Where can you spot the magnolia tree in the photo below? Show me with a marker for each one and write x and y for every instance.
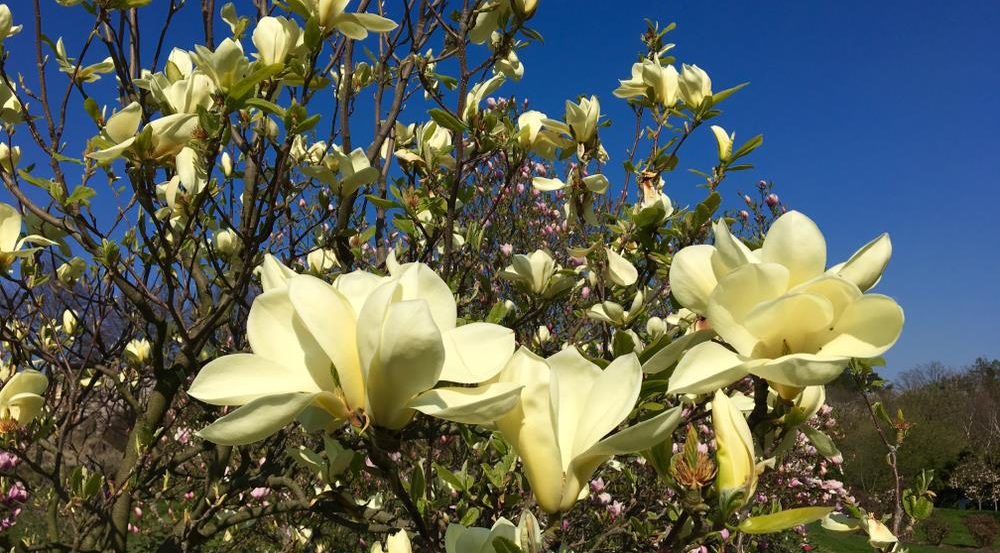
(316, 282)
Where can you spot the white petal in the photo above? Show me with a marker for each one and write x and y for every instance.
(356, 286)
(530, 427)
(547, 185)
(242, 377)
(692, 278)
(256, 420)
(737, 295)
(330, 320)
(573, 378)
(409, 360)
(611, 399)
(867, 328)
(28, 381)
(866, 266)
(620, 271)
(276, 332)
(796, 242)
(421, 282)
(706, 368)
(476, 352)
(801, 369)
(10, 227)
(479, 405)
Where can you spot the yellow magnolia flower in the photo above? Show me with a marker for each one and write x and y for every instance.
(227, 242)
(10, 107)
(397, 543)
(695, 85)
(11, 241)
(734, 451)
(650, 80)
(541, 135)
(276, 38)
(226, 65)
(138, 352)
(788, 319)
(568, 405)
(459, 539)
(7, 27)
(432, 148)
(537, 273)
(330, 15)
(9, 157)
(619, 270)
(168, 135)
(364, 349)
(582, 118)
(322, 260)
(725, 142)
(21, 399)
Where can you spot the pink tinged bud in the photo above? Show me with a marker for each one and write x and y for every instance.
(520, 187)
(604, 498)
(724, 534)
(744, 215)
(260, 493)
(616, 508)
(762, 185)
(491, 102)
(302, 203)
(747, 200)
(772, 200)
(507, 249)
(565, 525)
(137, 511)
(585, 293)
(597, 485)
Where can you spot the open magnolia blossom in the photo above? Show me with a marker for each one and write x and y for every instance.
(535, 133)
(330, 15)
(11, 241)
(354, 168)
(652, 81)
(537, 273)
(788, 319)
(568, 407)
(432, 148)
(365, 349)
(168, 135)
(21, 399)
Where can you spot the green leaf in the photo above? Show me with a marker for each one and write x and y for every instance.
(81, 195)
(264, 105)
(384, 203)
(722, 95)
(823, 443)
(783, 520)
(447, 120)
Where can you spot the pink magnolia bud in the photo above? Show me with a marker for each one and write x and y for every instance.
(772, 200)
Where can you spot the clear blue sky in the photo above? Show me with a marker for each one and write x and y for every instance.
(877, 116)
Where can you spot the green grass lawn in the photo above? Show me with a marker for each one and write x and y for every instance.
(958, 539)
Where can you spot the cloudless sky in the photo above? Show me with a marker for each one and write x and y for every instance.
(877, 116)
